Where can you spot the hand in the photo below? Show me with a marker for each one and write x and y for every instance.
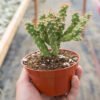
(26, 91)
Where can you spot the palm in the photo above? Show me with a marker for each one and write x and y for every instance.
(26, 91)
(31, 89)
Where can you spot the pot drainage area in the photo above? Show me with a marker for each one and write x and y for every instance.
(23, 44)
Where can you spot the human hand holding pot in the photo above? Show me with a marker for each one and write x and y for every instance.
(26, 91)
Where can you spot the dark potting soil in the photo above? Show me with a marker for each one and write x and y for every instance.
(38, 62)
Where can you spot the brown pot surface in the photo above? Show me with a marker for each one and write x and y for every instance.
(53, 82)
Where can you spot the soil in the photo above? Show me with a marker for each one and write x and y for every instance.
(38, 62)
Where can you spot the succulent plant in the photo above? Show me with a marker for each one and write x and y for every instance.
(50, 30)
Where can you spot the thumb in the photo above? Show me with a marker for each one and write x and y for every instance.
(23, 76)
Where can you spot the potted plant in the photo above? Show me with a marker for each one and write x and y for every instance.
(52, 68)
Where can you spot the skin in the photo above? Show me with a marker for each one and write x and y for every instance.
(26, 91)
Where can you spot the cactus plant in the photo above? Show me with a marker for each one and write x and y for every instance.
(51, 70)
(50, 30)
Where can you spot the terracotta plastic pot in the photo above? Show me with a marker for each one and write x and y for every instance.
(53, 82)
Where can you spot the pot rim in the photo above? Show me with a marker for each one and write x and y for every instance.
(54, 69)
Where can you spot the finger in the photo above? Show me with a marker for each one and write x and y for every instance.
(44, 97)
(64, 97)
(75, 88)
(79, 71)
(23, 76)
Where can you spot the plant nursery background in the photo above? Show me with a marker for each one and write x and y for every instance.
(21, 43)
